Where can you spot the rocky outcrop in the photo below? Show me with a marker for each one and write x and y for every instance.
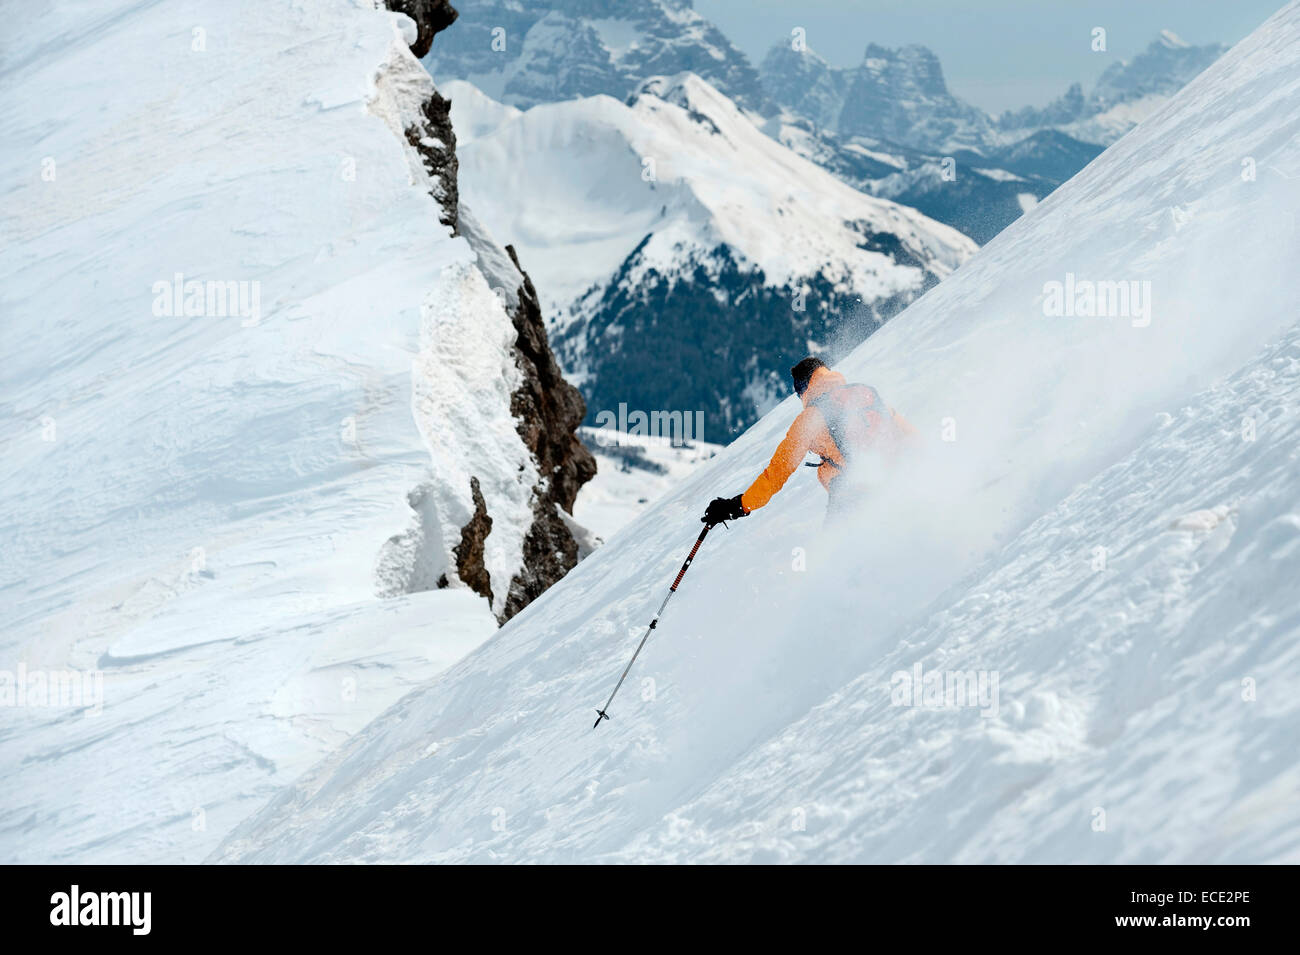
(548, 410)
(431, 136)
(431, 18)
(900, 96)
(435, 141)
(802, 81)
(895, 96)
(469, 552)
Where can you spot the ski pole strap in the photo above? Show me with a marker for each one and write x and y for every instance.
(690, 557)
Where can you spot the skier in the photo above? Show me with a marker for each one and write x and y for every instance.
(846, 424)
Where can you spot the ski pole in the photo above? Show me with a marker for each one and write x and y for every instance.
(653, 623)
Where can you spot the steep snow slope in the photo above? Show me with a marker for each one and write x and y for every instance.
(673, 227)
(195, 502)
(758, 724)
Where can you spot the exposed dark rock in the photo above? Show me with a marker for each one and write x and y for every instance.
(434, 138)
(548, 410)
(435, 141)
(469, 552)
(431, 17)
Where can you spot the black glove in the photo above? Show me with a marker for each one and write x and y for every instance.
(723, 509)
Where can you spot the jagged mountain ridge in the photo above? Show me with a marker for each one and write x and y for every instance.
(1125, 93)
(897, 104)
(979, 194)
(899, 96)
(524, 54)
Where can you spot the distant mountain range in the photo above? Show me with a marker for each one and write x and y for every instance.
(524, 53)
(885, 126)
(1124, 95)
(890, 126)
(900, 96)
(655, 182)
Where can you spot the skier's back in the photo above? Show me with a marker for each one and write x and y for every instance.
(848, 425)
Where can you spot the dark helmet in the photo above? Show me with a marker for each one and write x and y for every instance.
(802, 373)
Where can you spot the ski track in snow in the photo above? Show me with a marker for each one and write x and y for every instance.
(758, 724)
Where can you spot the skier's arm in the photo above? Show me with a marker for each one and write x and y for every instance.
(789, 453)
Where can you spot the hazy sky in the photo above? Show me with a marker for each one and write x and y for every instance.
(997, 54)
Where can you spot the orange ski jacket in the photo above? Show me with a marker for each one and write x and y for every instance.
(811, 432)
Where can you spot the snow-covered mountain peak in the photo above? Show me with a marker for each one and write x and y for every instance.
(552, 50)
(688, 91)
(691, 156)
(679, 190)
(896, 95)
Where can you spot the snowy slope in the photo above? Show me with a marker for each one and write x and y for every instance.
(199, 507)
(758, 725)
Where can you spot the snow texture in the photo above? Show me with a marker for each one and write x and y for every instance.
(198, 505)
(1146, 708)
